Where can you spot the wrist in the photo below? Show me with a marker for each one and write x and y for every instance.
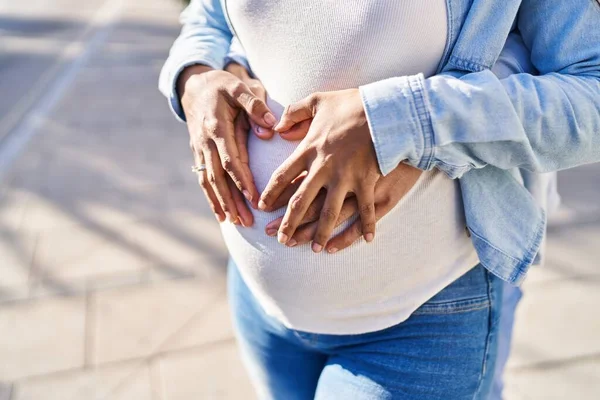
(186, 76)
(238, 70)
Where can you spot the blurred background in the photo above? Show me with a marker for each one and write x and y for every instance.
(111, 264)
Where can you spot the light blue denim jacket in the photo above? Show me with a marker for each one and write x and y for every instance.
(493, 133)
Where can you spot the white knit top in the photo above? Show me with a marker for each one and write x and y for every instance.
(299, 47)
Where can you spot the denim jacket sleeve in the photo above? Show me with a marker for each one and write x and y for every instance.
(457, 122)
(204, 39)
(237, 54)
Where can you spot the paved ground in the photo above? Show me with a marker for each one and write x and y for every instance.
(111, 266)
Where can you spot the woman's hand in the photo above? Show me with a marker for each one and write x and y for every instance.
(259, 91)
(389, 190)
(214, 103)
(337, 153)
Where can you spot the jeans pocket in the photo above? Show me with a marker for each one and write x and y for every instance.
(468, 293)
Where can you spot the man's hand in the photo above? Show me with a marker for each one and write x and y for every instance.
(213, 102)
(337, 153)
(389, 190)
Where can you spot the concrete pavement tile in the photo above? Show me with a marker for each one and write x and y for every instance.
(92, 205)
(175, 251)
(209, 374)
(139, 322)
(13, 206)
(188, 219)
(556, 321)
(569, 253)
(13, 294)
(122, 382)
(16, 255)
(16, 245)
(80, 253)
(578, 380)
(96, 251)
(39, 337)
(5, 391)
(212, 326)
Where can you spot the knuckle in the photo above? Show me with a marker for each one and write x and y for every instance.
(284, 227)
(313, 99)
(365, 209)
(328, 214)
(297, 203)
(212, 178)
(203, 181)
(237, 89)
(268, 199)
(254, 105)
(227, 163)
(210, 126)
(255, 86)
(321, 237)
(279, 179)
(368, 227)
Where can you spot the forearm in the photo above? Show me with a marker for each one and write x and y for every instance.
(538, 123)
(457, 121)
(204, 40)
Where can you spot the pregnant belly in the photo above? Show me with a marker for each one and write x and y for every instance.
(420, 247)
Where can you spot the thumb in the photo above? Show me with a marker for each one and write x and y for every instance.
(298, 131)
(297, 112)
(256, 108)
(259, 91)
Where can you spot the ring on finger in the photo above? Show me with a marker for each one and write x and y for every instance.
(199, 168)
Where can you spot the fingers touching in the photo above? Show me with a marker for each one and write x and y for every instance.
(297, 132)
(298, 112)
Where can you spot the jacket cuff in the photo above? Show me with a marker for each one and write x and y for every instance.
(237, 55)
(399, 122)
(170, 74)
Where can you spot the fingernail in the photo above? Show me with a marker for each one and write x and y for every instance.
(271, 232)
(369, 237)
(244, 224)
(270, 119)
(272, 225)
(292, 243)
(262, 205)
(282, 237)
(237, 221)
(220, 218)
(332, 250)
(247, 195)
(316, 247)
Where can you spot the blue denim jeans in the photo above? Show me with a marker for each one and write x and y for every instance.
(446, 350)
(511, 295)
